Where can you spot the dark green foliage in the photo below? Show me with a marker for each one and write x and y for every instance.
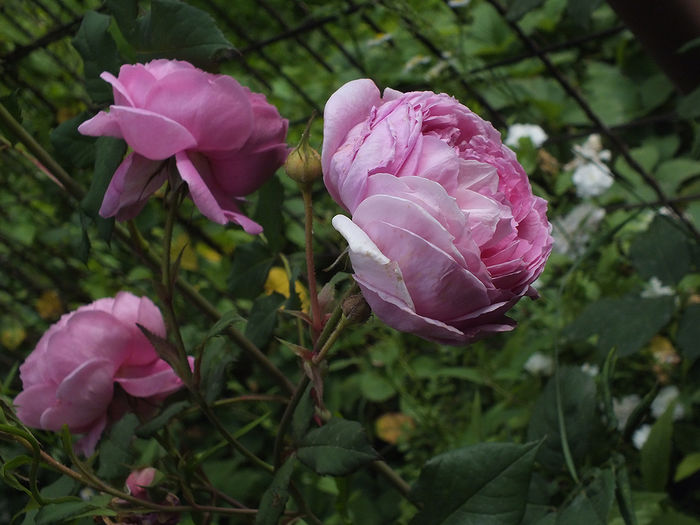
(575, 401)
(484, 484)
(624, 323)
(338, 448)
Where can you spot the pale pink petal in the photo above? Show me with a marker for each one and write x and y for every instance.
(241, 172)
(209, 198)
(375, 268)
(214, 109)
(87, 335)
(346, 108)
(158, 379)
(101, 125)
(152, 135)
(33, 401)
(82, 397)
(135, 180)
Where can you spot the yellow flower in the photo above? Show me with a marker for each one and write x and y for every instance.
(393, 426)
(48, 305)
(278, 281)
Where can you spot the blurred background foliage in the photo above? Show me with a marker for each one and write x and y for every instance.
(623, 275)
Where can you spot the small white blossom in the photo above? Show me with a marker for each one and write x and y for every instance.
(655, 288)
(623, 408)
(539, 364)
(591, 175)
(86, 494)
(591, 370)
(663, 399)
(458, 3)
(532, 131)
(379, 39)
(591, 180)
(414, 61)
(640, 436)
(573, 231)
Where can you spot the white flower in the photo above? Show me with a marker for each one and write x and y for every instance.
(573, 231)
(591, 179)
(380, 38)
(663, 399)
(623, 408)
(655, 288)
(640, 436)
(458, 3)
(591, 176)
(532, 131)
(591, 370)
(86, 493)
(539, 364)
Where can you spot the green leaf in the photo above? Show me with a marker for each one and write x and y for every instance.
(275, 497)
(485, 484)
(171, 29)
(672, 173)
(154, 425)
(626, 323)
(593, 504)
(109, 153)
(263, 318)
(227, 319)
(578, 403)
(688, 466)
(688, 333)
(338, 448)
(302, 416)
(580, 10)
(656, 453)
(662, 251)
(268, 213)
(99, 52)
(520, 8)
(673, 517)
(251, 264)
(376, 387)
(115, 449)
(54, 513)
(216, 360)
(70, 147)
(689, 106)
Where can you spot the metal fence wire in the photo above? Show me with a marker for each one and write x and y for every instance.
(508, 66)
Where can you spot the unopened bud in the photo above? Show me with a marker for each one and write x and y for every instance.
(303, 164)
(356, 308)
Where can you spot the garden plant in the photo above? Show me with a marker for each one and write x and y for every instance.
(393, 262)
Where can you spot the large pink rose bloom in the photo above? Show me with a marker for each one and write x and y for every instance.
(227, 141)
(69, 377)
(446, 234)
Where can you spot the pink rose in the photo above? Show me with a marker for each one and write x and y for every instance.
(69, 377)
(139, 480)
(227, 141)
(446, 234)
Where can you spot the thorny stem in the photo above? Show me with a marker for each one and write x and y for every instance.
(87, 478)
(321, 355)
(42, 156)
(228, 436)
(172, 200)
(317, 323)
(287, 418)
